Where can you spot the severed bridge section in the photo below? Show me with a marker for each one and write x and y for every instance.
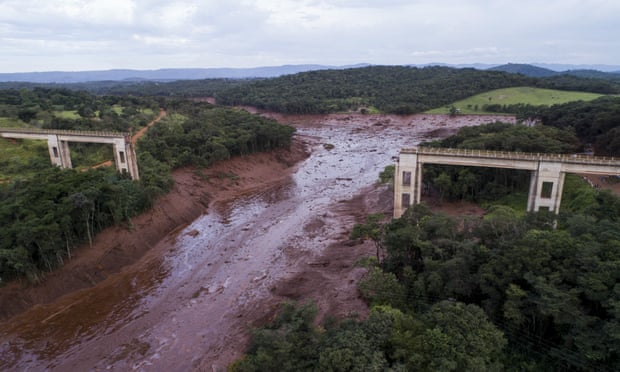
(547, 170)
(58, 145)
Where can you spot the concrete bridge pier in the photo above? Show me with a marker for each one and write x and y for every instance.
(125, 157)
(59, 151)
(407, 182)
(546, 187)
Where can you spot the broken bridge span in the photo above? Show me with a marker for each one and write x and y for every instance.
(547, 172)
(58, 145)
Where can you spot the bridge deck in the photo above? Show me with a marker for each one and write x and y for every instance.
(514, 156)
(61, 132)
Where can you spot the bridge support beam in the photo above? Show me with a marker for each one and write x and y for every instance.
(546, 185)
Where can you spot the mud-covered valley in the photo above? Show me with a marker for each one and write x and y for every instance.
(181, 287)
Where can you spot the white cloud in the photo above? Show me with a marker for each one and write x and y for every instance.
(116, 33)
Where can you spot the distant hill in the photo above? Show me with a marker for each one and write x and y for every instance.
(162, 74)
(566, 67)
(541, 72)
(525, 69)
(595, 74)
(174, 74)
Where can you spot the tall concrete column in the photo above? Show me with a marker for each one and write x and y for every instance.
(59, 151)
(546, 187)
(418, 183)
(54, 149)
(132, 160)
(531, 197)
(65, 154)
(407, 182)
(125, 157)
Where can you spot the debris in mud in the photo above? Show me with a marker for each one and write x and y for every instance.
(319, 264)
(259, 278)
(200, 291)
(328, 146)
(193, 233)
(344, 179)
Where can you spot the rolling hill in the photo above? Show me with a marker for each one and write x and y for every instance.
(513, 96)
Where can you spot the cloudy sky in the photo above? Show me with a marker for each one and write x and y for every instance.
(77, 35)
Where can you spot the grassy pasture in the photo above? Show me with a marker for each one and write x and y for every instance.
(11, 123)
(17, 154)
(73, 115)
(510, 96)
(118, 109)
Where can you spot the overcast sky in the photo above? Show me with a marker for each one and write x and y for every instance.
(77, 35)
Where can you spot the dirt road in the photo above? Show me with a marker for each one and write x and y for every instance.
(189, 302)
(143, 130)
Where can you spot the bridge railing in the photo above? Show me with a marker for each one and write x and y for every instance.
(85, 133)
(566, 158)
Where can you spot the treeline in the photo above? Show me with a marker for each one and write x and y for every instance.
(596, 122)
(390, 89)
(448, 336)
(199, 133)
(503, 293)
(43, 216)
(46, 107)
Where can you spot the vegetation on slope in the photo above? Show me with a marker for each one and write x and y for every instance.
(502, 293)
(508, 292)
(46, 211)
(391, 89)
(201, 134)
(596, 122)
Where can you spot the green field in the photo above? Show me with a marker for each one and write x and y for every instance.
(11, 123)
(511, 96)
(16, 154)
(73, 115)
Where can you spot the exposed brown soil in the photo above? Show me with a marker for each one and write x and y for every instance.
(610, 183)
(119, 246)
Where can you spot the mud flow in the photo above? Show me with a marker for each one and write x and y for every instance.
(190, 301)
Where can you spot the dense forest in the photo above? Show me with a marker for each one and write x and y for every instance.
(510, 291)
(390, 89)
(46, 212)
(501, 293)
(596, 122)
(196, 133)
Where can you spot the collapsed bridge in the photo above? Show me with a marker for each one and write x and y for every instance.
(547, 177)
(58, 145)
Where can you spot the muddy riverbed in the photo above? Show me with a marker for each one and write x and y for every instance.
(189, 300)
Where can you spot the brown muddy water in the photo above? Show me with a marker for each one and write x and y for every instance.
(191, 298)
